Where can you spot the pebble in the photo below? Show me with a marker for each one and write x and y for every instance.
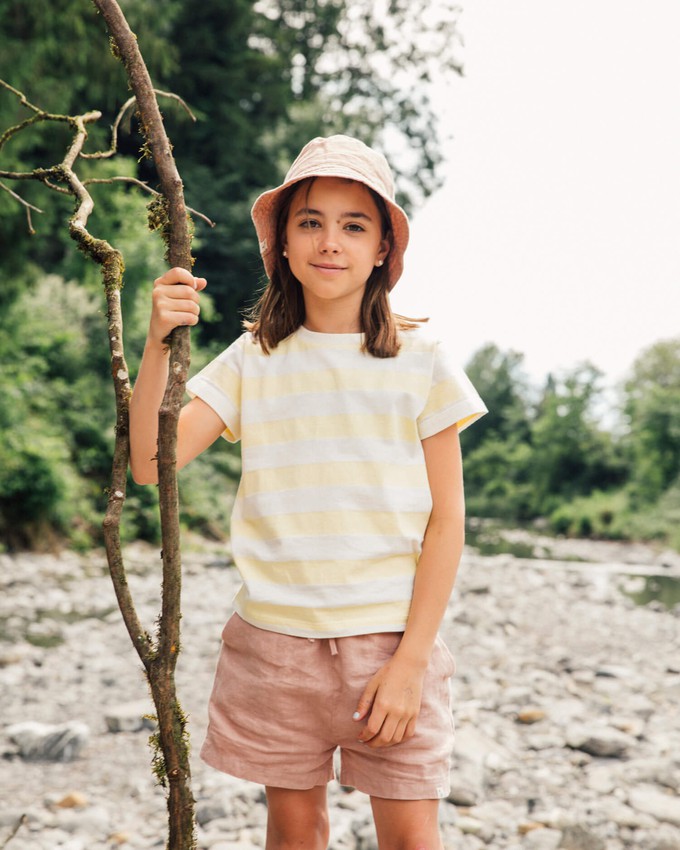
(661, 805)
(565, 703)
(131, 717)
(73, 800)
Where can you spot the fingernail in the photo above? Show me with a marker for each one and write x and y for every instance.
(195, 284)
(356, 715)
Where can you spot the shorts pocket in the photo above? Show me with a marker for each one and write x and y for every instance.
(447, 665)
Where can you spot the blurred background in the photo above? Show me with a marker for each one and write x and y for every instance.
(535, 149)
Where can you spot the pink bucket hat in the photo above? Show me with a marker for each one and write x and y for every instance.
(336, 156)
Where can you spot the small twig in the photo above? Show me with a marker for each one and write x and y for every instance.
(145, 186)
(21, 96)
(121, 114)
(17, 826)
(25, 204)
(40, 115)
(114, 134)
(19, 198)
(180, 100)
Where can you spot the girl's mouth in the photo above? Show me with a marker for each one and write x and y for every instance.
(328, 267)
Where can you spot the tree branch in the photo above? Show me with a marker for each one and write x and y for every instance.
(172, 735)
(159, 656)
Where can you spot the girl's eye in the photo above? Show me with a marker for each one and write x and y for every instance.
(309, 222)
(355, 228)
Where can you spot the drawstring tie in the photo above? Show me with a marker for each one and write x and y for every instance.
(332, 645)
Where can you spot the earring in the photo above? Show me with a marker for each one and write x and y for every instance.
(379, 263)
(285, 253)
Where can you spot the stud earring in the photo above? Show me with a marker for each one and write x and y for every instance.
(285, 253)
(379, 263)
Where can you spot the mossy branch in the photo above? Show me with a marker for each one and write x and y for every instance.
(159, 654)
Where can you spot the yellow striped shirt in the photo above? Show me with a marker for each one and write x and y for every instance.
(333, 502)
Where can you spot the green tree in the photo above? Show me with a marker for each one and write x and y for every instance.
(499, 379)
(497, 450)
(571, 455)
(652, 407)
(55, 52)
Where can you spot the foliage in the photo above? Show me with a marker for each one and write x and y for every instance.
(54, 427)
(571, 455)
(600, 514)
(552, 458)
(653, 413)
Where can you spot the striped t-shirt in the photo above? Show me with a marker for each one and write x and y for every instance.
(333, 501)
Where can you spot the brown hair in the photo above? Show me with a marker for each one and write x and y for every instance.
(280, 309)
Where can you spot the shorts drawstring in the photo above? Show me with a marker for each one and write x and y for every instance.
(332, 645)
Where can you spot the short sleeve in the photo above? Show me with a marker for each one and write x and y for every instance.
(219, 385)
(452, 399)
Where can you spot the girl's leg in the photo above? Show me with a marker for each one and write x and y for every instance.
(297, 819)
(407, 824)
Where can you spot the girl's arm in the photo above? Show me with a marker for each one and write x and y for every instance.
(392, 698)
(175, 301)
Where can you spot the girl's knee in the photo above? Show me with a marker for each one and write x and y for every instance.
(298, 834)
(407, 824)
(297, 819)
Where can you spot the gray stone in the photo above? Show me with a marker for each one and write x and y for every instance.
(601, 741)
(662, 806)
(542, 839)
(131, 717)
(577, 837)
(41, 741)
(467, 781)
(211, 810)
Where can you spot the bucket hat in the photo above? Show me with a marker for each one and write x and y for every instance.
(336, 156)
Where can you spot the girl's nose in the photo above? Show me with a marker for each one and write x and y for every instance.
(328, 242)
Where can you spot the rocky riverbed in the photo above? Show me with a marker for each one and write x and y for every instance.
(567, 705)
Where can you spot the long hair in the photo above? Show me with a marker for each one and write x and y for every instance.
(280, 309)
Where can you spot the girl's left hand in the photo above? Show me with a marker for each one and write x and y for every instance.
(391, 700)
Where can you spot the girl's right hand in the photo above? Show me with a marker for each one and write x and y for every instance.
(174, 302)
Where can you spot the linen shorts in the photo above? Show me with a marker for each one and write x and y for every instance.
(281, 706)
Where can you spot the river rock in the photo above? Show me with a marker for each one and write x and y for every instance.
(660, 805)
(530, 714)
(42, 741)
(72, 800)
(664, 837)
(577, 837)
(542, 839)
(131, 717)
(602, 741)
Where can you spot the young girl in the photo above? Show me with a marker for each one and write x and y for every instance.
(348, 522)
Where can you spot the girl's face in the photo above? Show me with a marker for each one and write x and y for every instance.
(334, 239)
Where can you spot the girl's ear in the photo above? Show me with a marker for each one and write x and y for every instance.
(384, 250)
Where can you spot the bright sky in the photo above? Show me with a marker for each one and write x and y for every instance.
(557, 233)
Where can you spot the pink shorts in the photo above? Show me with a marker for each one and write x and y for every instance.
(282, 705)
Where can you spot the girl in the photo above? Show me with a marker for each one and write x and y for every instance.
(348, 522)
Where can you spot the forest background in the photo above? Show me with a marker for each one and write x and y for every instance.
(262, 78)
